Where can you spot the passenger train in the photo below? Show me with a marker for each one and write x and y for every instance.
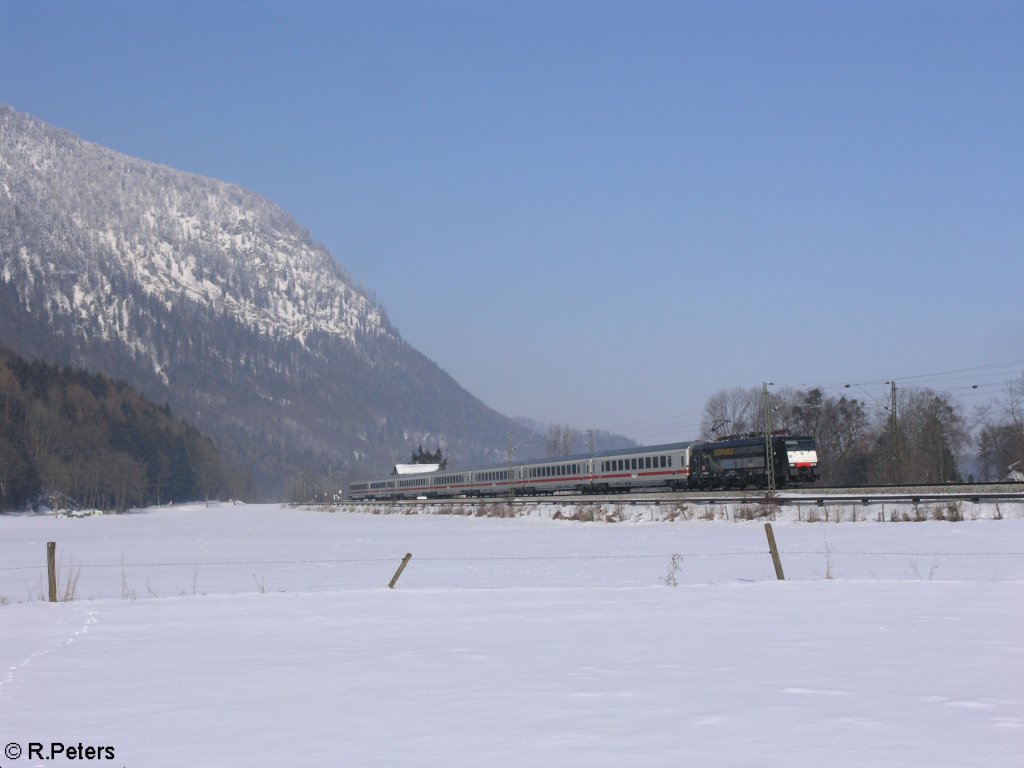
(729, 463)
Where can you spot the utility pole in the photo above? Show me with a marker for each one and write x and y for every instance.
(894, 431)
(769, 454)
(511, 485)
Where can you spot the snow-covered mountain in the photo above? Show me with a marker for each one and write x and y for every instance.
(213, 299)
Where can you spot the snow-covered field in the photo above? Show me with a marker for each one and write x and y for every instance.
(266, 636)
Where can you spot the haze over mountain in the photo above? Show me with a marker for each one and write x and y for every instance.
(213, 300)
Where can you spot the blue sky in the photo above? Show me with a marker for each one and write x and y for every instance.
(600, 213)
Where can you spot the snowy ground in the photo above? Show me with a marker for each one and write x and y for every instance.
(266, 636)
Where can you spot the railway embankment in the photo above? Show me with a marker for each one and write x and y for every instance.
(913, 506)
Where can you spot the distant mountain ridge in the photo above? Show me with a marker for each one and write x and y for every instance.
(211, 298)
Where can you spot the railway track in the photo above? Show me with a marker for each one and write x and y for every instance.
(865, 495)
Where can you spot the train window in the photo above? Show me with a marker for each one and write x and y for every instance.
(647, 462)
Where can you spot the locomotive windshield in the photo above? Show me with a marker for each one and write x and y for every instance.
(800, 443)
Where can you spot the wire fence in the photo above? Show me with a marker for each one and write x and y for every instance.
(516, 558)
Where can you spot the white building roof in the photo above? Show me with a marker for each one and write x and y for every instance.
(415, 469)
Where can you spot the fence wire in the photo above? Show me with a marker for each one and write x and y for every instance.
(505, 558)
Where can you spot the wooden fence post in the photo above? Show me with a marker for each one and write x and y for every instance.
(405, 562)
(775, 552)
(51, 568)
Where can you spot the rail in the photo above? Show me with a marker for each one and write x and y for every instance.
(867, 495)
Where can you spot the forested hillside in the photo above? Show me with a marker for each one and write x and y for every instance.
(72, 438)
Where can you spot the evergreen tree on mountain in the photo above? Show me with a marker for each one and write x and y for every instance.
(420, 456)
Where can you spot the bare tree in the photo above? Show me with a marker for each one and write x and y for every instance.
(841, 429)
(931, 435)
(561, 440)
(1013, 408)
(1001, 437)
(731, 412)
